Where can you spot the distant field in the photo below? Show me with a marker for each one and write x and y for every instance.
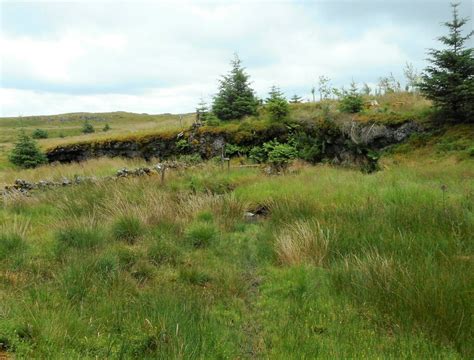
(66, 128)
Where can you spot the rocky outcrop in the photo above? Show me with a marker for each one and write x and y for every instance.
(345, 143)
(378, 136)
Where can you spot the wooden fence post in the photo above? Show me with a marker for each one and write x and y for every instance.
(163, 174)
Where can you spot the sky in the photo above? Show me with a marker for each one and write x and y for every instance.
(163, 56)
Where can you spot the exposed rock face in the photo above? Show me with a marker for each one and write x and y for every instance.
(378, 136)
(343, 148)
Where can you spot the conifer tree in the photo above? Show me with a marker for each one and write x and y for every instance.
(295, 99)
(276, 104)
(352, 101)
(26, 152)
(449, 80)
(235, 98)
(202, 111)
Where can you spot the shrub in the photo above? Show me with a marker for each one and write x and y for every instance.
(470, 151)
(310, 148)
(191, 159)
(232, 150)
(279, 155)
(26, 153)
(201, 234)
(258, 154)
(303, 242)
(128, 229)
(106, 128)
(87, 128)
(39, 134)
(182, 145)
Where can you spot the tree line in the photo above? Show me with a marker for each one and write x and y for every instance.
(448, 82)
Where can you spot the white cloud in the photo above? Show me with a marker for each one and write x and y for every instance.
(160, 57)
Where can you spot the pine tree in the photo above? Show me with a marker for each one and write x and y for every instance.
(235, 98)
(449, 80)
(352, 101)
(295, 99)
(276, 104)
(26, 152)
(202, 111)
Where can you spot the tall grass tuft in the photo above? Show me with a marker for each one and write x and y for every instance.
(78, 238)
(201, 235)
(128, 229)
(303, 242)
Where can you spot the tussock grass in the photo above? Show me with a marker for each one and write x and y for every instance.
(128, 229)
(303, 242)
(201, 235)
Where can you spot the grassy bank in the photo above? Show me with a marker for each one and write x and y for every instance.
(340, 264)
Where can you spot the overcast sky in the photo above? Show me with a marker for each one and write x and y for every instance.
(162, 56)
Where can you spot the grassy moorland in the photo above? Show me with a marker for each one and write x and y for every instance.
(340, 264)
(67, 128)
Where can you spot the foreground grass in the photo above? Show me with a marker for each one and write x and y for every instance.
(344, 265)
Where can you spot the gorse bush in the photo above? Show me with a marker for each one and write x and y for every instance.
(26, 153)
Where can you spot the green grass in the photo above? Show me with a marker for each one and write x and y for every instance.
(138, 269)
(340, 265)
